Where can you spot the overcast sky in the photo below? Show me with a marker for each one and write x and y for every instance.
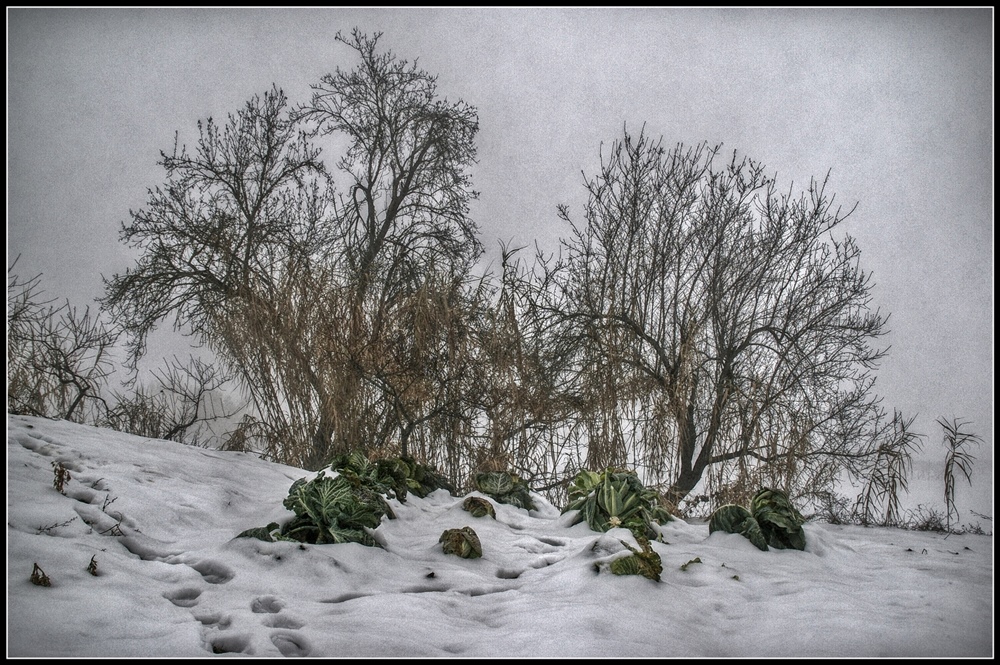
(896, 104)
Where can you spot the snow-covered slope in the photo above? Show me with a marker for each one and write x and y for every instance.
(159, 520)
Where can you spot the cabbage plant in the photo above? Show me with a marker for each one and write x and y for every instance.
(394, 477)
(479, 507)
(615, 498)
(771, 521)
(645, 562)
(461, 542)
(737, 519)
(780, 522)
(505, 488)
(347, 507)
(334, 510)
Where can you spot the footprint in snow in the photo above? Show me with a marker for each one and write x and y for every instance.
(69, 464)
(226, 643)
(291, 645)
(539, 545)
(38, 443)
(266, 605)
(213, 572)
(547, 560)
(282, 621)
(183, 597)
(214, 619)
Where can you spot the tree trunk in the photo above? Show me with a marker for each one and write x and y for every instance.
(691, 470)
(404, 439)
(322, 446)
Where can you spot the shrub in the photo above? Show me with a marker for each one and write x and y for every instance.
(615, 498)
(957, 457)
(927, 519)
(60, 476)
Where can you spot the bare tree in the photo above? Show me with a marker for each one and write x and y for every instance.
(408, 192)
(222, 229)
(406, 239)
(222, 245)
(181, 407)
(296, 285)
(719, 322)
(58, 359)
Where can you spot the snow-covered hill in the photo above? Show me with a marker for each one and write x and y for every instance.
(158, 521)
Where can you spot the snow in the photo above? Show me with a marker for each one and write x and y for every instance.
(176, 583)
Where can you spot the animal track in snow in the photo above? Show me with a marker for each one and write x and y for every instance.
(147, 549)
(483, 590)
(420, 588)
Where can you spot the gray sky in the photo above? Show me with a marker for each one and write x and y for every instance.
(897, 104)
